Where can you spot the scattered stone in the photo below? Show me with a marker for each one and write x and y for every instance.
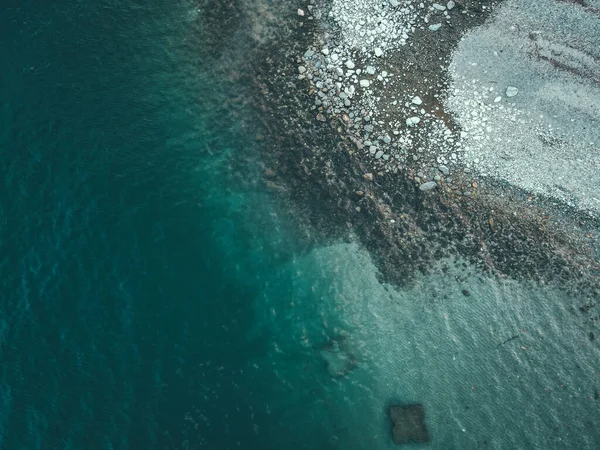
(591, 336)
(435, 26)
(429, 186)
(498, 99)
(301, 69)
(444, 170)
(466, 293)
(365, 83)
(511, 91)
(378, 52)
(409, 424)
(350, 64)
(596, 394)
(300, 12)
(269, 173)
(450, 5)
(417, 100)
(379, 154)
(394, 3)
(368, 176)
(439, 7)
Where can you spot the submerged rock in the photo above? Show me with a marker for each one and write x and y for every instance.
(409, 424)
(338, 358)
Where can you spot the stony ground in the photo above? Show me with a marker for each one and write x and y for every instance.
(346, 149)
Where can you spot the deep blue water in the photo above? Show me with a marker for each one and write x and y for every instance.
(122, 314)
(152, 294)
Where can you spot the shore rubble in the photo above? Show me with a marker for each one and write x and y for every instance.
(368, 144)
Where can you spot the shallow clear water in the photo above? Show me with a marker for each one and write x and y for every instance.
(152, 294)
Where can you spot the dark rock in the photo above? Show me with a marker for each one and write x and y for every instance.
(592, 336)
(596, 394)
(409, 424)
(466, 293)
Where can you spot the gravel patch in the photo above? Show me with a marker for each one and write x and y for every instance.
(526, 93)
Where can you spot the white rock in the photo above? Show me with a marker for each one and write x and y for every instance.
(497, 99)
(394, 3)
(412, 121)
(301, 69)
(349, 64)
(435, 26)
(300, 12)
(371, 70)
(511, 91)
(325, 51)
(378, 52)
(429, 186)
(450, 5)
(417, 100)
(439, 7)
(365, 83)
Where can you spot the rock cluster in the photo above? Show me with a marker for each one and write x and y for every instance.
(351, 78)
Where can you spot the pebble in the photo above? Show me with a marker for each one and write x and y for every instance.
(439, 7)
(429, 186)
(450, 5)
(378, 52)
(301, 69)
(511, 91)
(350, 64)
(497, 99)
(394, 3)
(364, 83)
(300, 12)
(444, 169)
(417, 100)
(379, 154)
(435, 27)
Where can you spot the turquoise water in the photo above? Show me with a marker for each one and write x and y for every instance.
(153, 295)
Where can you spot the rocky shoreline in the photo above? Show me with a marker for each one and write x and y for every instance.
(410, 204)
